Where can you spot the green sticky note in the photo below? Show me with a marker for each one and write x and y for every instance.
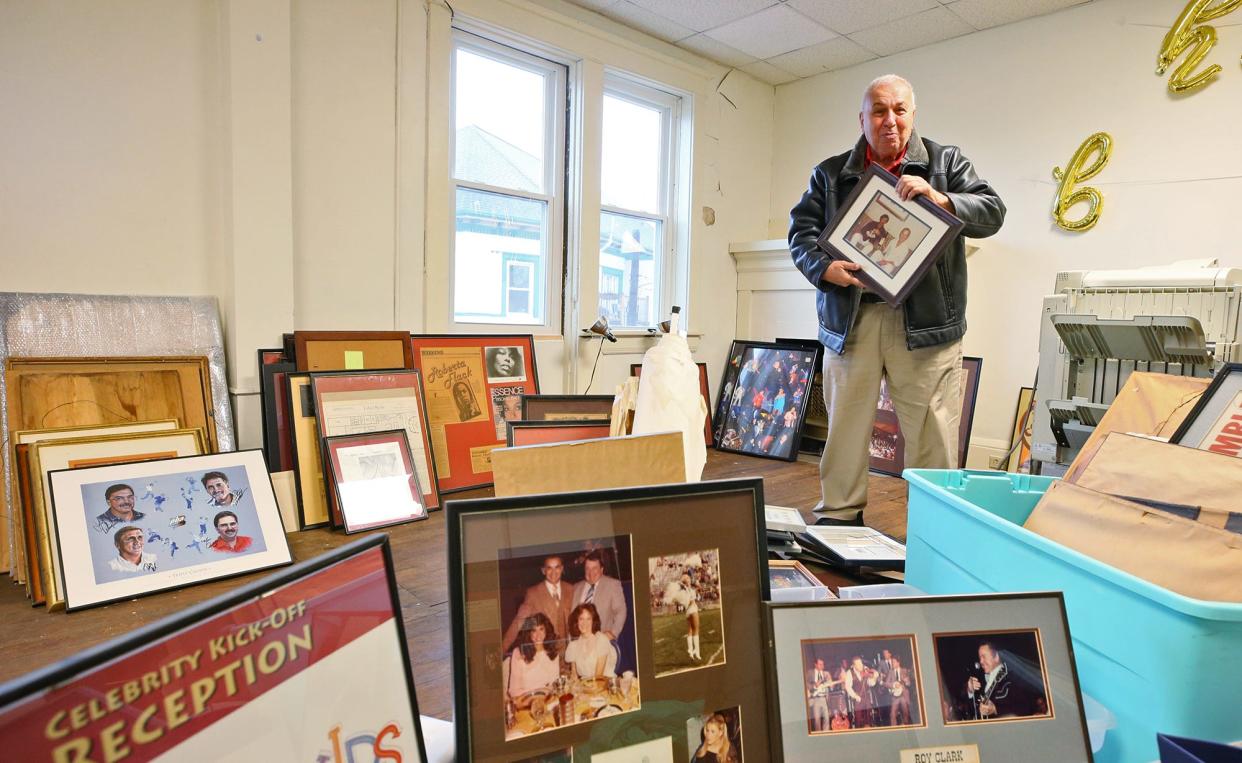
(353, 360)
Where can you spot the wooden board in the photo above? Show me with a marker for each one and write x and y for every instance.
(352, 350)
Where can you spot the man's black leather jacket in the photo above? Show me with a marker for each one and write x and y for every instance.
(935, 312)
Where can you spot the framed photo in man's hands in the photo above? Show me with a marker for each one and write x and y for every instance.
(893, 242)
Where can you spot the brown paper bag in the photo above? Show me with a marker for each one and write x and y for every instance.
(1183, 556)
(1151, 404)
(1197, 484)
(609, 462)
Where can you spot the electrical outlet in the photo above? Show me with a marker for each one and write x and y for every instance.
(994, 462)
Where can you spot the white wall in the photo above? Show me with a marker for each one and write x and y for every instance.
(277, 155)
(1019, 100)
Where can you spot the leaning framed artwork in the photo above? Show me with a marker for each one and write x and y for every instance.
(543, 432)
(764, 394)
(351, 350)
(601, 620)
(888, 444)
(473, 385)
(562, 407)
(636, 369)
(1215, 423)
(373, 479)
(211, 677)
(971, 678)
(893, 242)
(229, 525)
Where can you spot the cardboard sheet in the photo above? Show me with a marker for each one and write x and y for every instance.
(608, 462)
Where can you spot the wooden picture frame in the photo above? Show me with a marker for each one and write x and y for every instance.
(636, 369)
(355, 402)
(935, 640)
(523, 433)
(888, 444)
(893, 256)
(634, 541)
(1215, 423)
(1020, 440)
(467, 398)
(374, 480)
(351, 350)
(566, 407)
(757, 375)
(325, 622)
(308, 476)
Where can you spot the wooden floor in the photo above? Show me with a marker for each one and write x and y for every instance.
(34, 638)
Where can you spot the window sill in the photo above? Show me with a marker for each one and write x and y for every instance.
(634, 342)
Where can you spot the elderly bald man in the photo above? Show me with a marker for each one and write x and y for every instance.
(917, 346)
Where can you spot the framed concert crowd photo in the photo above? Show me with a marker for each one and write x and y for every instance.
(888, 444)
(893, 242)
(971, 678)
(131, 529)
(611, 623)
(473, 384)
(221, 677)
(764, 393)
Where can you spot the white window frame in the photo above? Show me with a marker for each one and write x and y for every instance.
(555, 117)
(622, 86)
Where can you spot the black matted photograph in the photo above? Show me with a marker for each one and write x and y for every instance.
(763, 399)
(992, 676)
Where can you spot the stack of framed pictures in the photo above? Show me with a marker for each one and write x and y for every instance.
(565, 430)
(888, 445)
(611, 625)
(234, 673)
(763, 398)
(274, 407)
(474, 384)
(565, 407)
(636, 369)
(945, 678)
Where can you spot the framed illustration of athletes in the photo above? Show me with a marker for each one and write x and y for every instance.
(888, 444)
(223, 675)
(473, 385)
(613, 622)
(966, 678)
(764, 394)
(220, 519)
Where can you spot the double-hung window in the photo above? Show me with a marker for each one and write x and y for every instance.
(508, 174)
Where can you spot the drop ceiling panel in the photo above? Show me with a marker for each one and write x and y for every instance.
(771, 32)
(846, 16)
(912, 32)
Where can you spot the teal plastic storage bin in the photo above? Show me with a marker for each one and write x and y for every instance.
(1158, 660)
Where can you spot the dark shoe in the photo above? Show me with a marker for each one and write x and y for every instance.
(855, 521)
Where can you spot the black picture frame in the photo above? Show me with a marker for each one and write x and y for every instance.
(724, 416)
(399, 437)
(886, 431)
(655, 501)
(1191, 432)
(537, 407)
(275, 448)
(876, 190)
(513, 428)
(48, 678)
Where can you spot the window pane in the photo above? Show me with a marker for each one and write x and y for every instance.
(500, 129)
(632, 154)
(500, 253)
(629, 267)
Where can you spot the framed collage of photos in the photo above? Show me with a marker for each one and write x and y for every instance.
(328, 628)
(972, 678)
(888, 445)
(374, 481)
(610, 623)
(563, 407)
(764, 393)
(1215, 423)
(636, 369)
(544, 432)
(219, 519)
(893, 241)
(473, 385)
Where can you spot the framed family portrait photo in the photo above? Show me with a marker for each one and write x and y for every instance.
(373, 479)
(615, 622)
(975, 678)
(893, 241)
(1215, 423)
(117, 541)
(764, 394)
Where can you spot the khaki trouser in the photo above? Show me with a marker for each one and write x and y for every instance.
(925, 385)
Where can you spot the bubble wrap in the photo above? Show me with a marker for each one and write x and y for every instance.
(91, 325)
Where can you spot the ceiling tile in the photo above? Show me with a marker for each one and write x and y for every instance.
(837, 53)
(595, 5)
(771, 32)
(717, 51)
(704, 14)
(982, 14)
(912, 32)
(846, 16)
(768, 73)
(645, 21)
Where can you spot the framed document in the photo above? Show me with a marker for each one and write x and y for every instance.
(893, 241)
(233, 674)
(374, 479)
(612, 621)
(636, 369)
(764, 395)
(224, 522)
(562, 407)
(961, 678)
(1215, 423)
(543, 432)
(373, 401)
(473, 384)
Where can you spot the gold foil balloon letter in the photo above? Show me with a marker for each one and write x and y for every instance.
(1068, 196)
(1184, 36)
